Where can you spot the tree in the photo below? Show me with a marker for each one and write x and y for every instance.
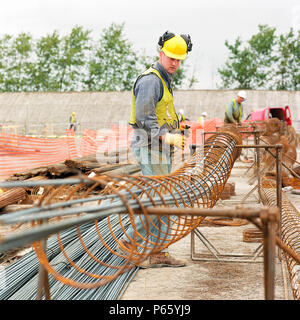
(287, 73)
(43, 76)
(4, 50)
(15, 65)
(49, 64)
(239, 70)
(262, 47)
(113, 66)
(73, 62)
(266, 61)
(75, 47)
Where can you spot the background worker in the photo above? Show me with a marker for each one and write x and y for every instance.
(181, 116)
(73, 121)
(202, 118)
(234, 110)
(156, 132)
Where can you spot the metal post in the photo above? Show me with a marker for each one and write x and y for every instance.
(279, 182)
(118, 144)
(43, 280)
(192, 243)
(270, 223)
(279, 190)
(256, 139)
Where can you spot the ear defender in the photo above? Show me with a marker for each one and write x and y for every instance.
(188, 41)
(165, 37)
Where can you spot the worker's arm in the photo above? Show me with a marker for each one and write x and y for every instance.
(229, 112)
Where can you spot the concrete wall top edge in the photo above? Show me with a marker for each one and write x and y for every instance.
(126, 92)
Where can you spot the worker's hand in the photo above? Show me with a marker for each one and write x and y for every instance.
(177, 140)
(184, 129)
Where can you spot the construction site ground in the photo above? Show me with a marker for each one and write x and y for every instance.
(214, 280)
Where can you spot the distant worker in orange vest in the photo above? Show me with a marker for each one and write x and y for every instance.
(202, 118)
(234, 110)
(73, 122)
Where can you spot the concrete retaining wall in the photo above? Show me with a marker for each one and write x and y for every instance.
(34, 112)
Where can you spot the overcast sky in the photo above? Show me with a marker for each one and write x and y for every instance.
(209, 22)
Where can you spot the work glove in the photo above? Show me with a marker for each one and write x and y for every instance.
(177, 140)
(184, 129)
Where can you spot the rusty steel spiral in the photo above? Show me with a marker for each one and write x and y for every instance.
(123, 201)
(289, 231)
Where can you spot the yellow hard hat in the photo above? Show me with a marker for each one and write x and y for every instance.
(175, 46)
(73, 113)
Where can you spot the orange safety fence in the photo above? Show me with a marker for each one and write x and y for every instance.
(196, 135)
(19, 153)
(90, 142)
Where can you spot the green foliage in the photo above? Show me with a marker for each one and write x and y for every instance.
(287, 75)
(239, 70)
(72, 62)
(15, 63)
(114, 63)
(262, 47)
(72, 59)
(44, 74)
(266, 61)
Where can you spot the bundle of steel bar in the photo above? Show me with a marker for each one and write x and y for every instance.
(21, 277)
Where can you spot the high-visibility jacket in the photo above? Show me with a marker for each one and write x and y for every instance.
(181, 117)
(234, 109)
(201, 120)
(72, 119)
(165, 111)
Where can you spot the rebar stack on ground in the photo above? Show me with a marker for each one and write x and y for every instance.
(123, 201)
(289, 230)
(22, 276)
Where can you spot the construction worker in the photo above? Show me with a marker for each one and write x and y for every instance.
(73, 122)
(156, 133)
(202, 118)
(234, 110)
